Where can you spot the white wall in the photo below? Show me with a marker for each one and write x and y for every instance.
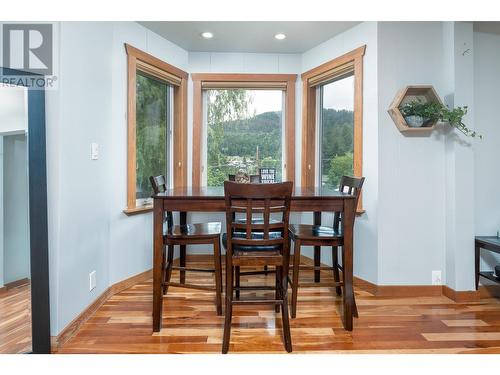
(16, 247)
(365, 246)
(486, 151)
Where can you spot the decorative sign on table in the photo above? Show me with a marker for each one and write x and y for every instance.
(267, 175)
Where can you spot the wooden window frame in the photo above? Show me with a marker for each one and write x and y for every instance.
(138, 60)
(349, 62)
(284, 82)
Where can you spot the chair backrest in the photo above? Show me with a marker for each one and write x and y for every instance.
(257, 200)
(352, 186)
(159, 185)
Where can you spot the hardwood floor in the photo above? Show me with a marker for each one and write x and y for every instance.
(15, 319)
(385, 324)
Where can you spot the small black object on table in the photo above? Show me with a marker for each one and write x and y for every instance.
(490, 243)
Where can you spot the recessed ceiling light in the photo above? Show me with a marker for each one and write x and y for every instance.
(207, 35)
(280, 36)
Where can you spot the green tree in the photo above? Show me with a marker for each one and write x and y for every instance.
(151, 132)
(224, 106)
(337, 135)
(216, 176)
(340, 166)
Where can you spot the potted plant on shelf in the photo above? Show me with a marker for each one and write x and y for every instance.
(418, 113)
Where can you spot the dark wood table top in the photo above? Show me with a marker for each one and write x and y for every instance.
(218, 193)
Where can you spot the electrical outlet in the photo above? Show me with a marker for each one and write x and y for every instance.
(436, 278)
(92, 280)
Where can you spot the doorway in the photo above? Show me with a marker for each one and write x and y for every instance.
(24, 289)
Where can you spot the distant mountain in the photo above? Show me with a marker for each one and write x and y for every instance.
(263, 122)
(242, 137)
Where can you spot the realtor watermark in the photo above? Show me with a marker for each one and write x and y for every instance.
(28, 55)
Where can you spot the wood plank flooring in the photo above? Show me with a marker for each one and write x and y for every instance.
(385, 324)
(15, 319)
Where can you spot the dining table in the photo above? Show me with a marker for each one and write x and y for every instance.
(211, 199)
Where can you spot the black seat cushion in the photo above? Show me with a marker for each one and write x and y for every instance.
(255, 235)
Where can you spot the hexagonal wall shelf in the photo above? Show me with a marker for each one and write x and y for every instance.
(426, 93)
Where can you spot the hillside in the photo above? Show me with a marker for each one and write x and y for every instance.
(240, 140)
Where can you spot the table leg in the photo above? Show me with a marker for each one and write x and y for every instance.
(317, 250)
(477, 258)
(157, 263)
(348, 229)
(182, 258)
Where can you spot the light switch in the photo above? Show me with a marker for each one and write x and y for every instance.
(94, 151)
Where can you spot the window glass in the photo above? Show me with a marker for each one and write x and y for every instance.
(244, 133)
(152, 124)
(336, 130)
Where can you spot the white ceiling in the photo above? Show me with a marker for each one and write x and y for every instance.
(248, 36)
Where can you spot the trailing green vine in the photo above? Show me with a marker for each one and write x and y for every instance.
(434, 111)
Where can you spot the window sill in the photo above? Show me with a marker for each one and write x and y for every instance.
(138, 210)
(360, 212)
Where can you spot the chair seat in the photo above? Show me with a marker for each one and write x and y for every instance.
(204, 230)
(255, 236)
(313, 232)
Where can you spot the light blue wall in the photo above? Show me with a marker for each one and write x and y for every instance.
(487, 152)
(1, 213)
(411, 206)
(13, 120)
(88, 230)
(365, 241)
(459, 157)
(15, 209)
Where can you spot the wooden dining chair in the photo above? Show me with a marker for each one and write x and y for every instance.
(316, 235)
(189, 234)
(254, 179)
(251, 244)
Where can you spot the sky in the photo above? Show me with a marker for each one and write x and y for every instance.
(337, 95)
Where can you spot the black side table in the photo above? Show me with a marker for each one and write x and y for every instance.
(490, 243)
